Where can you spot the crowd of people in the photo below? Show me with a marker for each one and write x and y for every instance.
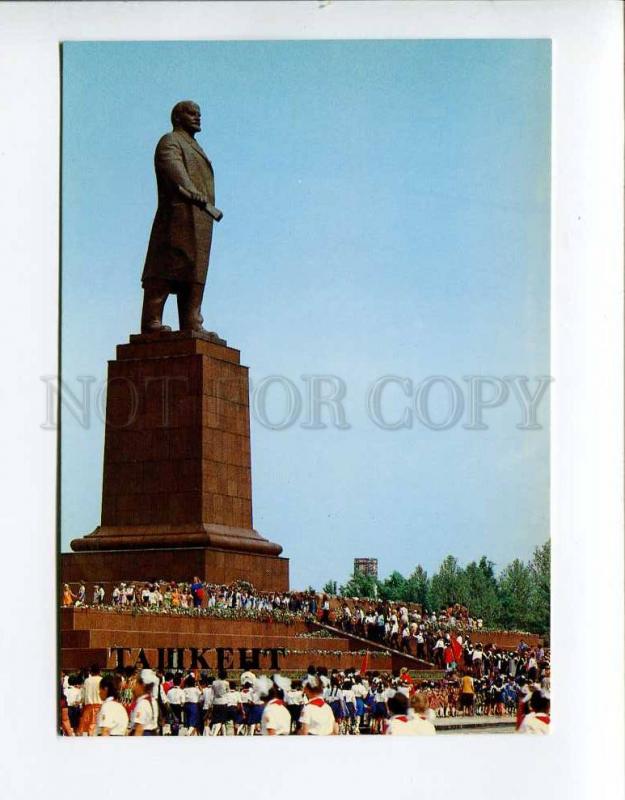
(138, 701)
(407, 627)
(399, 626)
(479, 679)
(449, 640)
(393, 622)
(173, 595)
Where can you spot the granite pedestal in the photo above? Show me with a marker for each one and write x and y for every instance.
(177, 485)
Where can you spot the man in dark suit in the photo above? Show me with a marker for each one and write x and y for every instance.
(180, 242)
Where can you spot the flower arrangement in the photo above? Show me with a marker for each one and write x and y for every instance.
(338, 653)
(277, 615)
(321, 633)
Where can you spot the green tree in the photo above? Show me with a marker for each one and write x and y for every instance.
(418, 588)
(447, 584)
(360, 585)
(393, 587)
(515, 589)
(540, 607)
(330, 587)
(478, 590)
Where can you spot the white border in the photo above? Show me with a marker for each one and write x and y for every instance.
(584, 755)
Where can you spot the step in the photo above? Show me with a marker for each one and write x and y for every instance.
(94, 619)
(102, 637)
(408, 660)
(73, 659)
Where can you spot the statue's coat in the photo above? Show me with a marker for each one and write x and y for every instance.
(180, 241)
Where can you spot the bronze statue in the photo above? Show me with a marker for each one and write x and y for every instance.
(180, 242)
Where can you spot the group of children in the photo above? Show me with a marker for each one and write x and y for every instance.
(490, 697)
(190, 705)
(179, 704)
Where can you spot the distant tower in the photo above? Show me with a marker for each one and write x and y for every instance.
(366, 566)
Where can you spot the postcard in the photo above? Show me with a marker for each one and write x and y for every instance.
(314, 423)
(304, 398)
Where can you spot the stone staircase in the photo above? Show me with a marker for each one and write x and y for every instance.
(409, 661)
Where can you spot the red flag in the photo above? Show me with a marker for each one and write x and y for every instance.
(363, 666)
(457, 650)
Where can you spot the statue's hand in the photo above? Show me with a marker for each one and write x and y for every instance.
(199, 198)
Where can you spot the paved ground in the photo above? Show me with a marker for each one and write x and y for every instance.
(470, 725)
(473, 725)
(491, 731)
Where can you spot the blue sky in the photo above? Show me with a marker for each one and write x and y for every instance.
(386, 212)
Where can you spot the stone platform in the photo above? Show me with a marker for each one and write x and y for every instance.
(109, 567)
(113, 638)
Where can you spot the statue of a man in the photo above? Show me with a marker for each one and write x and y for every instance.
(180, 242)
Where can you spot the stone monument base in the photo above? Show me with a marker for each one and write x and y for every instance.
(120, 638)
(177, 477)
(213, 565)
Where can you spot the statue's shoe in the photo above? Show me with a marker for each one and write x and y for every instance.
(209, 335)
(155, 329)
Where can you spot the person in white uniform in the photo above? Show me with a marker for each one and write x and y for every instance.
(233, 702)
(247, 700)
(537, 722)
(175, 698)
(112, 719)
(206, 686)
(295, 699)
(276, 720)
(402, 723)
(316, 718)
(144, 716)
(421, 714)
(92, 702)
(219, 718)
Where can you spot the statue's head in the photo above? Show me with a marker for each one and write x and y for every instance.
(186, 115)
